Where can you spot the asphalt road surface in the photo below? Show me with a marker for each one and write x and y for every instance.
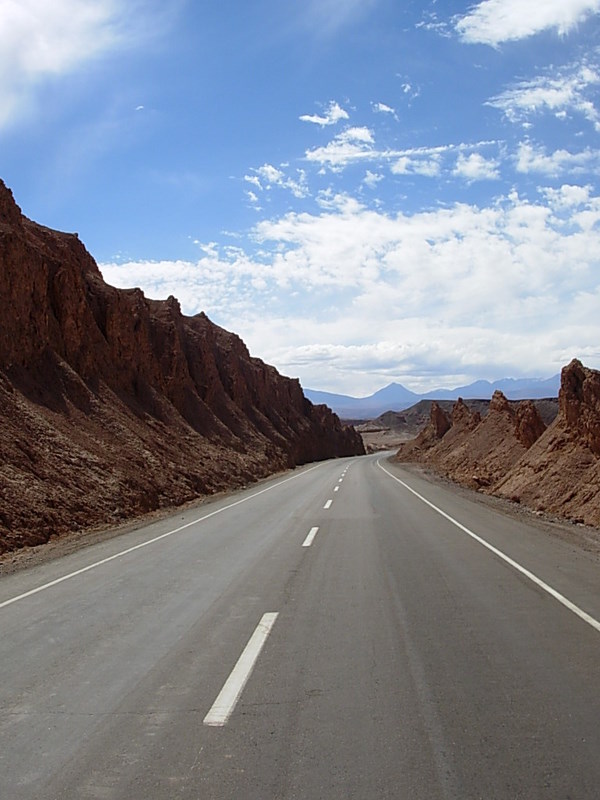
(348, 630)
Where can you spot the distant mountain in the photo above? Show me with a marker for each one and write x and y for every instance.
(391, 398)
(396, 397)
(511, 388)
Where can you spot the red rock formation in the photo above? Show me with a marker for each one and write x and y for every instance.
(490, 447)
(439, 421)
(463, 418)
(479, 452)
(429, 436)
(441, 433)
(579, 405)
(560, 473)
(112, 404)
(511, 453)
(528, 424)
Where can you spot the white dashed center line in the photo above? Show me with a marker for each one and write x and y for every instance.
(229, 695)
(328, 504)
(309, 539)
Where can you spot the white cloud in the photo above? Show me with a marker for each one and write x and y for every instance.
(495, 21)
(431, 22)
(268, 176)
(254, 180)
(350, 296)
(371, 179)
(382, 108)
(426, 161)
(411, 92)
(253, 198)
(353, 144)
(568, 90)
(531, 159)
(409, 165)
(474, 167)
(41, 40)
(333, 114)
(357, 145)
(567, 196)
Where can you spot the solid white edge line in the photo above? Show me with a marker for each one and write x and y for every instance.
(328, 504)
(594, 623)
(309, 539)
(122, 553)
(229, 695)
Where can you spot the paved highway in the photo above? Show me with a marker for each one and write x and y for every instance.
(348, 630)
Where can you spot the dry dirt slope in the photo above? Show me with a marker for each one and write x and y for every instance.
(112, 404)
(511, 453)
(393, 428)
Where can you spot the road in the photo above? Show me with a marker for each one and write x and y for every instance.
(347, 630)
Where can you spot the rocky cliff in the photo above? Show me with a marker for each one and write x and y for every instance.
(472, 449)
(512, 453)
(560, 473)
(112, 404)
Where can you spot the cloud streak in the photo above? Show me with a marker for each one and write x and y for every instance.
(493, 22)
(353, 144)
(567, 91)
(40, 41)
(357, 145)
(333, 114)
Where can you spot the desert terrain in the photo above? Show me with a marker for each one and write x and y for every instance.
(113, 405)
(515, 452)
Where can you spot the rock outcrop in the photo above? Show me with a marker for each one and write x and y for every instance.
(112, 404)
(560, 473)
(478, 451)
(513, 454)
(436, 428)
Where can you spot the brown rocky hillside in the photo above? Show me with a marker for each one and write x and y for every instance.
(112, 405)
(512, 453)
(392, 429)
(560, 473)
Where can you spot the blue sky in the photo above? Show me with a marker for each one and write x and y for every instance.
(365, 191)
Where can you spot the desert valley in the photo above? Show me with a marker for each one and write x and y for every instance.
(114, 406)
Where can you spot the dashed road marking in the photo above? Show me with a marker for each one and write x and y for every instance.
(154, 540)
(309, 539)
(231, 692)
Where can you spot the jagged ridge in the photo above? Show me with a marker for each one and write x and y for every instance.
(513, 454)
(112, 404)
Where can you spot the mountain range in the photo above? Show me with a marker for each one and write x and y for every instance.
(396, 397)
